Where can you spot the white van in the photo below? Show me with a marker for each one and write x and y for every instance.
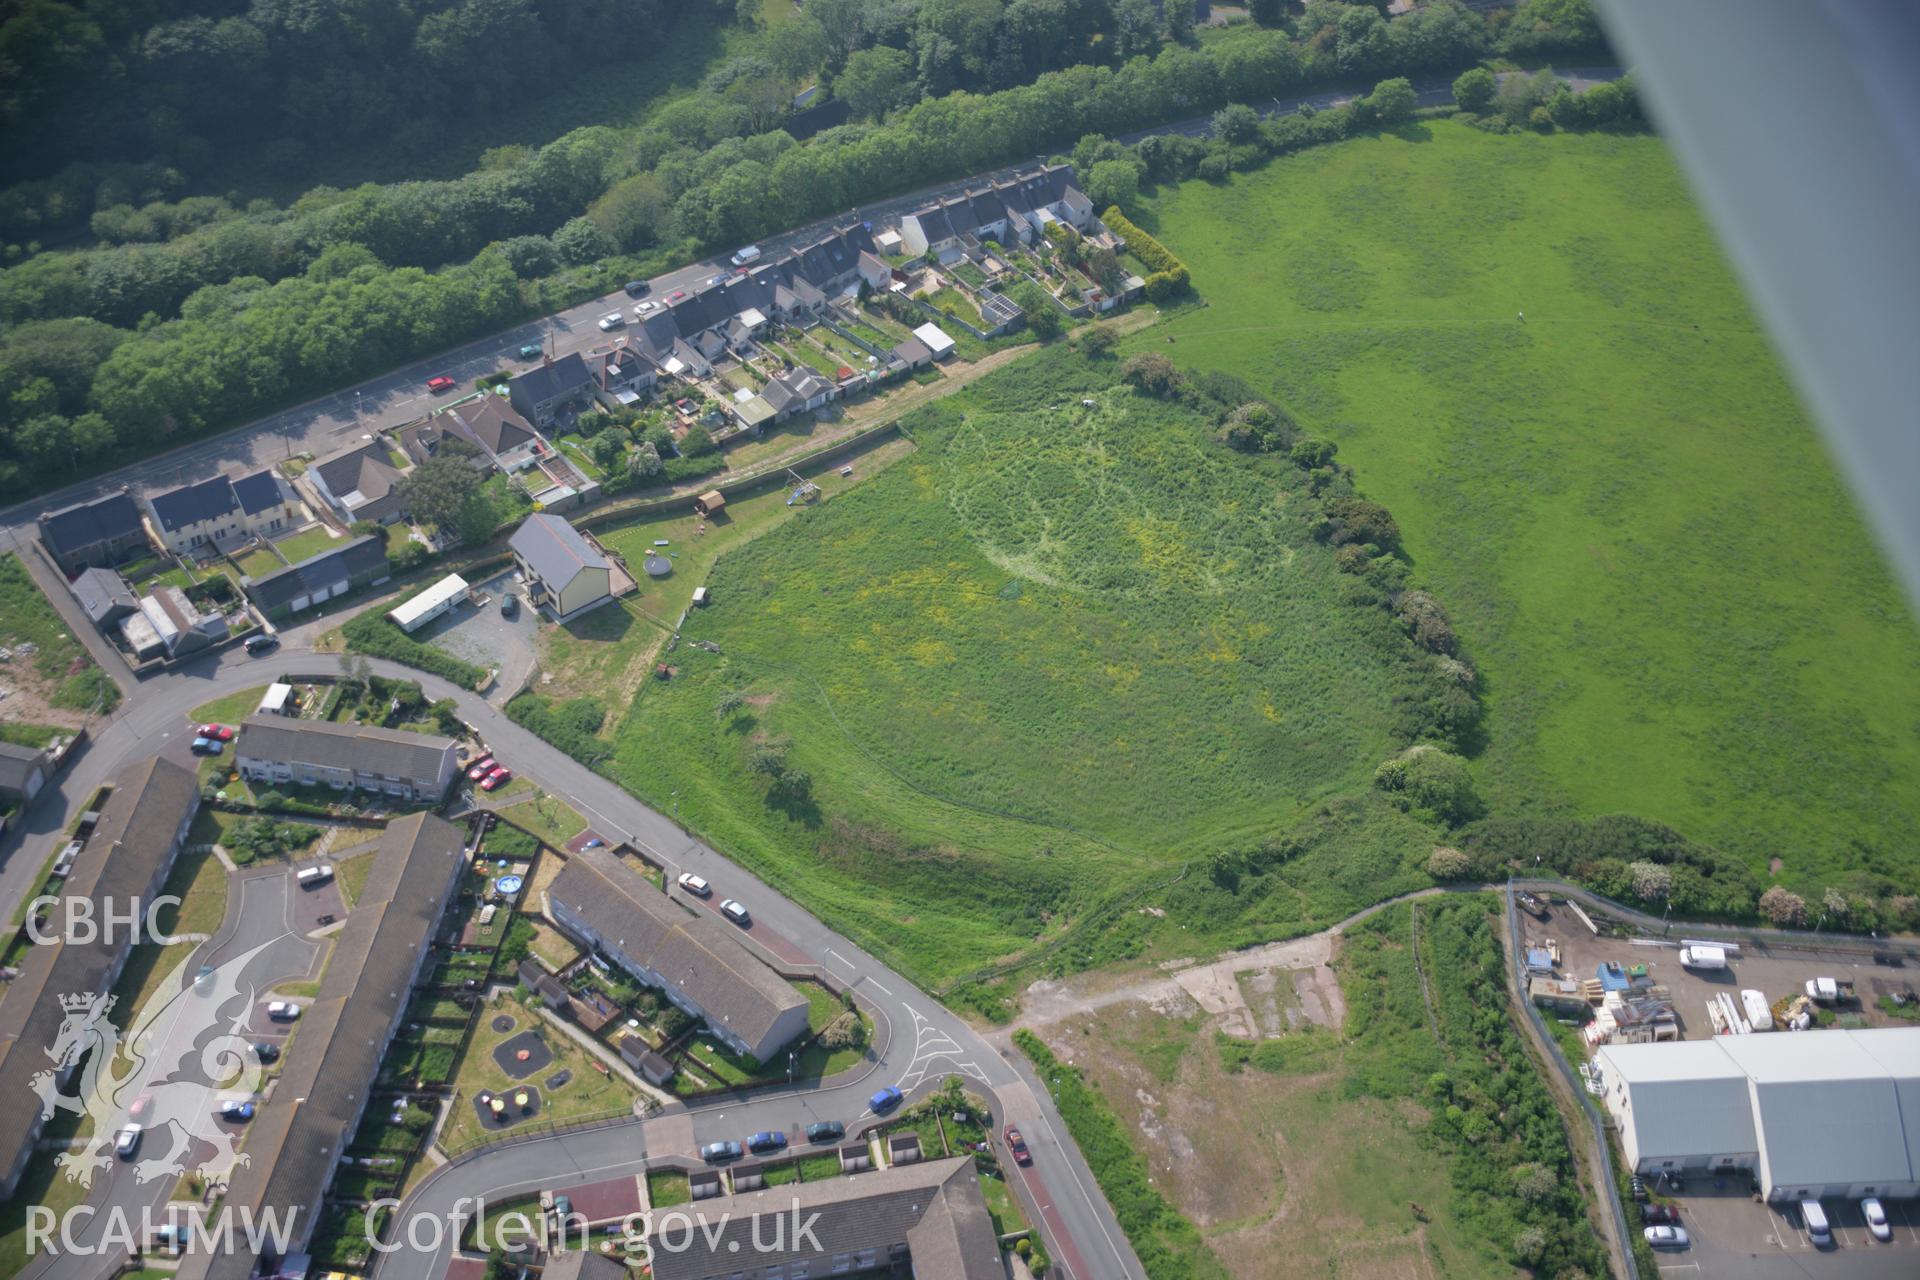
(611, 321)
(1815, 1219)
(1703, 957)
(311, 877)
(749, 254)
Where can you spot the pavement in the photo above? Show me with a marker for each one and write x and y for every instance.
(917, 1042)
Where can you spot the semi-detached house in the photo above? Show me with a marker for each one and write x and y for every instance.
(278, 751)
(223, 511)
(699, 963)
(105, 531)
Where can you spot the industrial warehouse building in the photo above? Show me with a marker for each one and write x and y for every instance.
(1810, 1115)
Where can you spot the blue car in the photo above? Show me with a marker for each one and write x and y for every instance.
(239, 1112)
(766, 1141)
(885, 1100)
(206, 746)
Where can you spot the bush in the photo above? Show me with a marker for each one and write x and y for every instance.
(1098, 341)
(1783, 909)
(1358, 520)
(1473, 90)
(570, 726)
(1152, 374)
(373, 633)
(1392, 100)
(1433, 781)
(1170, 278)
(1448, 863)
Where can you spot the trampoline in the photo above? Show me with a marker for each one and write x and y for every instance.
(658, 566)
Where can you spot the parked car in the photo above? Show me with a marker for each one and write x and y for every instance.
(719, 279)
(205, 746)
(695, 885)
(766, 1140)
(638, 288)
(237, 1111)
(266, 1051)
(885, 1100)
(826, 1131)
(509, 605)
(282, 1010)
(440, 383)
(1651, 1213)
(138, 1108)
(500, 777)
(1666, 1237)
(262, 644)
(720, 1152)
(1876, 1215)
(646, 308)
(1018, 1146)
(735, 912)
(220, 731)
(611, 321)
(127, 1142)
(595, 843)
(749, 254)
(532, 351)
(677, 295)
(481, 768)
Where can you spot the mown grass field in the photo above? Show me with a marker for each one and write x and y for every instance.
(1055, 654)
(1674, 607)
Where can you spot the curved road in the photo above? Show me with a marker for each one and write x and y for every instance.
(919, 1043)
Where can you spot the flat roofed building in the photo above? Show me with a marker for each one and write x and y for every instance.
(1812, 1114)
(124, 861)
(429, 604)
(294, 1146)
(700, 963)
(319, 753)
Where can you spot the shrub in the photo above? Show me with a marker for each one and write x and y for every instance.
(570, 726)
(1652, 882)
(1098, 341)
(1152, 374)
(1448, 863)
(373, 633)
(1426, 619)
(1474, 88)
(1434, 781)
(1392, 100)
(1359, 520)
(1167, 269)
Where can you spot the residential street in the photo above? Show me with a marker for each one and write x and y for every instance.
(918, 1043)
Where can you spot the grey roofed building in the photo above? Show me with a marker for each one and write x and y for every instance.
(931, 1213)
(913, 353)
(103, 531)
(567, 575)
(360, 483)
(295, 1145)
(280, 750)
(193, 504)
(126, 859)
(700, 963)
(103, 595)
(490, 425)
(321, 576)
(583, 1264)
(541, 392)
(261, 491)
(23, 771)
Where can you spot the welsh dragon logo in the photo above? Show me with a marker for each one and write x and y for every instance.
(167, 1074)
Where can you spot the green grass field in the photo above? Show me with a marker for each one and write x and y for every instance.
(59, 669)
(1053, 655)
(1673, 605)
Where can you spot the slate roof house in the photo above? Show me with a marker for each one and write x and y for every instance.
(621, 375)
(1012, 211)
(923, 1219)
(491, 427)
(542, 392)
(357, 562)
(360, 483)
(103, 595)
(699, 963)
(167, 622)
(566, 575)
(304, 1127)
(216, 512)
(105, 531)
(276, 750)
(797, 390)
(125, 860)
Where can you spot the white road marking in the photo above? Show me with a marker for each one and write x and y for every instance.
(876, 982)
(931, 1045)
(842, 959)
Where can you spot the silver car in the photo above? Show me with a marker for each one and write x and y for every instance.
(1665, 1237)
(1876, 1216)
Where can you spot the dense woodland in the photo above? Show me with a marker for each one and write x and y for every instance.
(142, 310)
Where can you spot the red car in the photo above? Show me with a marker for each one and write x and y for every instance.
(481, 768)
(218, 732)
(500, 777)
(677, 295)
(1018, 1146)
(439, 384)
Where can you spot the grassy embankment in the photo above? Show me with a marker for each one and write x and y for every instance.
(1674, 607)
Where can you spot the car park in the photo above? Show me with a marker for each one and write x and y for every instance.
(262, 644)
(219, 731)
(1667, 1237)
(638, 288)
(695, 885)
(735, 912)
(266, 1051)
(127, 1142)
(282, 1010)
(826, 1131)
(766, 1140)
(500, 777)
(1017, 1145)
(440, 383)
(480, 768)
(720, 1152)
(1876, 1215)
(532, 351)
(238, 1111)
(885, 1100)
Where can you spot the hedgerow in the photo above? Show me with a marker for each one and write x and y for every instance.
(373, 633)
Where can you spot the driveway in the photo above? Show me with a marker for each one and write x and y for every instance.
(480, 634)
